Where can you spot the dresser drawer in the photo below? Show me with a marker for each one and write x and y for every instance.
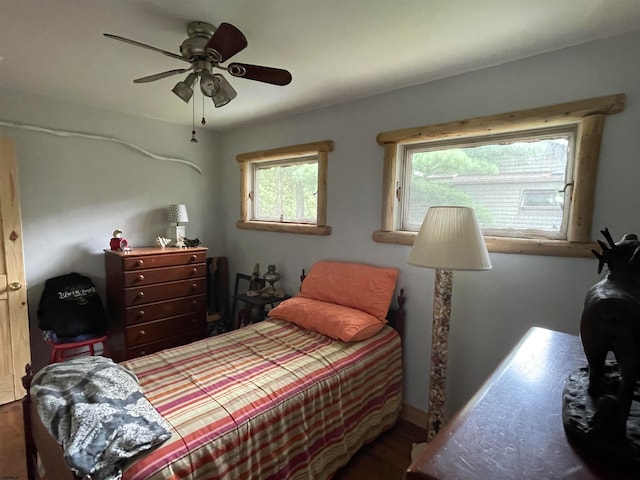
(164, 291)
(166, 328)
(166, 260)
(164, 274)
(169, 308)
(149, 348)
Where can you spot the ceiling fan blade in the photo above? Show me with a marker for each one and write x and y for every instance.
(225, 42)
(158, 76)
(275, 76)
(144, 45)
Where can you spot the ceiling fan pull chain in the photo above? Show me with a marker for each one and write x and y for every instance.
(203, 121)
(193, 123)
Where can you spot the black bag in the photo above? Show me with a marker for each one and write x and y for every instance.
(70, 306)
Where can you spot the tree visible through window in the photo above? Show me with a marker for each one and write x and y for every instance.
(492, 175)
(529, 174)
(285, 189)
(286, 192)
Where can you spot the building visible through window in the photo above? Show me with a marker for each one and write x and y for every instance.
(503, 178)
(529, 174)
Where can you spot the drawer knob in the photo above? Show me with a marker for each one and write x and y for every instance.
(142, 333)
(195, 285)
(194, 258)
(141, 313)
(195, 270)
(140, 262)
(140, 277)
(140, 294)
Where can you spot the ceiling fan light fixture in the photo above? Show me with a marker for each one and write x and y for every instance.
(207, 83)
(184, 89)
(205, 49)
(224, 92)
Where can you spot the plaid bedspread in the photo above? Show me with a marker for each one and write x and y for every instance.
(269, 401)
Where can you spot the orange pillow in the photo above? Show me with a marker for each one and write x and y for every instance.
(354, 285)
(335, 321)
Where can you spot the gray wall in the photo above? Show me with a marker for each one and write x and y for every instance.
(491, 310)
(75, 192)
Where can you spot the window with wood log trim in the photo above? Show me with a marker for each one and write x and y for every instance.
(285, 189)
(530, 175)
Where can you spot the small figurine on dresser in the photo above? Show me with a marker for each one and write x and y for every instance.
(118, 242)
(184, 242)
(601, 401)
(191, 243)
(162, 241)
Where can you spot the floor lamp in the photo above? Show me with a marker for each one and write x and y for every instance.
(449, 239)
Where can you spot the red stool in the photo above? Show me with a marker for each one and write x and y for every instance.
(64, 351)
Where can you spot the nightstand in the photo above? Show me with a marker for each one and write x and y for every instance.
(253, 304)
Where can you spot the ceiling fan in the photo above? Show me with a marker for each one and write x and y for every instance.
(205, 49)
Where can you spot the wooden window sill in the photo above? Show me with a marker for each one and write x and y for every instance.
(299, 228)
(524, 246)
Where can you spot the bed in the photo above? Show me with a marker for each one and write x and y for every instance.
(291, 397)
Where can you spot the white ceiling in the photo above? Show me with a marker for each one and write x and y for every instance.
(336, 50)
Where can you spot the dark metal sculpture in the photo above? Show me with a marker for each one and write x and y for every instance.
(611, 323)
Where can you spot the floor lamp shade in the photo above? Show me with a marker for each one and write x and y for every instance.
(449, 239)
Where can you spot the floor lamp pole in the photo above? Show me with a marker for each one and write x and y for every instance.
(439, 351)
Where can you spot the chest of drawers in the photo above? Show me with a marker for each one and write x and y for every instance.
(156, 299)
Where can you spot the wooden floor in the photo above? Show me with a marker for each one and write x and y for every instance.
(385, 459)
(12, 457)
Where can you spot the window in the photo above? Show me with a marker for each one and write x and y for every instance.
(530, 176)
(285, 189)
(497, 175)
(548, 199)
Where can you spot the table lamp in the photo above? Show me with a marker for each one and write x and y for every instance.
(449, 239)
(177, 214)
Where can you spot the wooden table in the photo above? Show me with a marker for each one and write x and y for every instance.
(512, 427)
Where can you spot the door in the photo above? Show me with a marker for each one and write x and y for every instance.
(15, 351)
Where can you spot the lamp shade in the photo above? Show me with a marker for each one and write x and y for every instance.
(450, 239)
(224, 92)
(184, 89)
(177, 214)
